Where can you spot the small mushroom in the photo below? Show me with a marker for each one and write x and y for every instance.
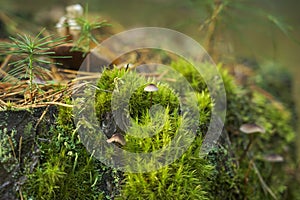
(151, 88)
(74, 29)
(273, 158)
(74, 11)
(252, 128)
(68, 25)
(117, 137)
(61, 26)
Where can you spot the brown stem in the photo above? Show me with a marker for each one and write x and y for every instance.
(247, 149)
(151, 99)
(20, 148)
(88, 62)
(211, 30)
(247, 172)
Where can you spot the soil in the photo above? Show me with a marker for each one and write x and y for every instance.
(27, 125)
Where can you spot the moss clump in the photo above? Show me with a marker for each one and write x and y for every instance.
(280, 87)
(66, 170)
(186, 178)
(252, 177)
(106, 85)
(190, 73)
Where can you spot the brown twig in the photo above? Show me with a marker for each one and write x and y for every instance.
(75, 72)
(162, 75)
(20, 148)
(263, 183)
(3, 103)
(211, 29)
(41, 117)
(20, 193)
(4, 63)
(247, 148)
(46, 104)
(95, 76)
(12, 146)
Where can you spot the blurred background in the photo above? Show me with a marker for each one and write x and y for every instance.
(261, 34)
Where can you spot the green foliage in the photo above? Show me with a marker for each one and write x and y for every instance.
(285, 28)
(253, 177)
(276, 80)
(66, 170)
(105, 87)
(31, 51)
(86, 36)
(190, 73)
(8, 159)
(186, 177)
(140, 99)
(221, 18)
(225, 181)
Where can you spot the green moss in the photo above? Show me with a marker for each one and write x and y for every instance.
(190, 73)
(183, 179)
(186, 178)
(280, 87)
(106, 85)
(8, 146)
(243, 180)
(66, 169)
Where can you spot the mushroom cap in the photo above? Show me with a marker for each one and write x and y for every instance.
(252, 128)
(74, 11)
(151, 88)
(273, 158)
(117, 137)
